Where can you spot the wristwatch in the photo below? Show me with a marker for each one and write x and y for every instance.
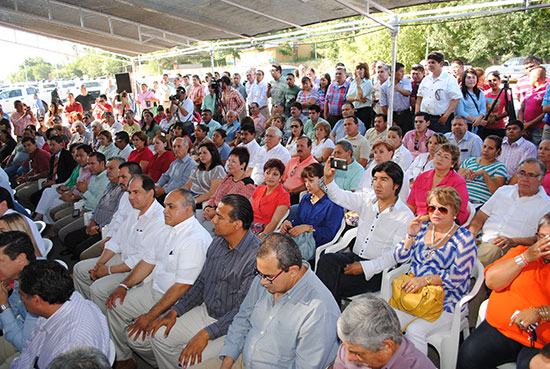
(4, 307)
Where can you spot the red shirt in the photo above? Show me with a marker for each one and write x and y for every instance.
(76, 107)
(40, 161)
(144, 155)
(158, 118)
(499, 109)
(264, 206)
(159, 165)
(100, 109)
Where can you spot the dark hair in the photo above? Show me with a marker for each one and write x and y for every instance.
(283, 247)
(464, 89)
(384, 116)
(248, 128)
(396, 129)
(133, 167)
(531, 59)
(57, 139)
(99, 156)
(275, 164)
(393, 170)
(305, 79)
(14, 243)
(315, 108)
(47, 279)
(207, 111)
(86, 148)
(214, 153)
(203, 127)
(517, 123)
(297, 105)
(458, 61)
(426, 116)
(277, 67)
(49, 131)
(107, 135)
(123, 135)
(497, 140)
(437, 56)
(545, 351)
(399, 66)
(103, 96)
(241, 209)
(221, 132)
(348, 103)
(418, 67)
(147, 182)
(329, 80)
(225, 80)
(312, 170)
(355, 120)
(5, 195)
(28, 139)
(309, 142)
(242, 153)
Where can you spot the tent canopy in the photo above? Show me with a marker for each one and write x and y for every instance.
(137, 27)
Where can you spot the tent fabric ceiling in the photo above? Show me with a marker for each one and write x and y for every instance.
(138, 27)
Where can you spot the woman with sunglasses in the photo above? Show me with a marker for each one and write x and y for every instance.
(424, 162)
(484, 174)
(440, 253)
(518, 312)
(296, 131)
(444, 174)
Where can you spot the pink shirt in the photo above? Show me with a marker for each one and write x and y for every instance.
(546, 183)
(292, 177)
(423, 185)
(533, 104)
(146, 95)
(421, 146)
(19, 123)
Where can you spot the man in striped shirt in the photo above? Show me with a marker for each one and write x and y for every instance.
(336, 95)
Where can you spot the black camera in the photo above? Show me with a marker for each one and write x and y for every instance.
(173, 97)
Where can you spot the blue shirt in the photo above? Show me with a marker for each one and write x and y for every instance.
(400, 101)
(349, 180)
(469, 146)
(339, 131)
(16, 321)
(224, 151)
(212, 126)
(231, 130)
(467, 105)
(325, 217)
(546, 101)
(296, 331)
(177, 174)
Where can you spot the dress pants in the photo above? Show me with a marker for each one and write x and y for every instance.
(8, 353)
(488, 252)
(100, 289)
(69, 224)
(331, 272)
(78, 241)
(167, 350)
(48, 201)
(139, 300)
(23, 193)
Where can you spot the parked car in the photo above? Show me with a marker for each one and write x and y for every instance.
(9, 95)
(511, 69)
(94, 88)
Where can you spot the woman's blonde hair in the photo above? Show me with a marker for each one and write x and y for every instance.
(17, 222)
(446, 196)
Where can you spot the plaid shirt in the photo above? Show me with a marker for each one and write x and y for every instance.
(336, 95)
(233, 100)
(196, 92)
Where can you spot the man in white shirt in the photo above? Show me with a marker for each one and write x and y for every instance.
(272, 150)
(122, 144)
(111, 124)
(248, 138)
(361, 146)
(438, 94)
(401, 155)
(182, 107)
(173, 262)
(469, 143)
(258, 94)
(352, 273)
(379, 131)
(510, 217)
(96, 278)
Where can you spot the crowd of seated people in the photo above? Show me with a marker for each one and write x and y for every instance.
(197, 225)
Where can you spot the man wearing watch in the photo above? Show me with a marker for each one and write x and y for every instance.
(292, 177)
(16, 251)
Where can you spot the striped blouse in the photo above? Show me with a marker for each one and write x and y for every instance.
(453, 262)
(477, 188)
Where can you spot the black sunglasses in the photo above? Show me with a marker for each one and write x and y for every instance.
(443, 210)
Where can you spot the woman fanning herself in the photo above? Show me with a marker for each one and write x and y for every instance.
(317, 219)
(443, 174)
(516, 326)
(440, 253)
(485, 174)
(270, 201)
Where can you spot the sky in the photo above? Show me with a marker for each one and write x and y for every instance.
(22, 45)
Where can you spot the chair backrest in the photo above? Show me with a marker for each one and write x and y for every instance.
(482, 312)
(278, 227)
(112, 352)
(479, 276)
(48, 245)
(339, 245)
(472, 209)
(40, 225)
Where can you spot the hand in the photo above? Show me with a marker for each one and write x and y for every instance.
(159, 191)
(82, 187)
(539, 249)
(209, 213)
(503, 242)
(168, 320)
(354, 269)
(286, 226)
(525, 318)
(91, 229)
(415, 225)
(92, 272)
(61, 189)
(192, 353)
(23, 178)
(414, 284)
(102, 271)
(67, 197)
(443, 119)
(3, 293)
(328, 171)
(119, 293)
(48, 183)
(140, 326)
(299, 229)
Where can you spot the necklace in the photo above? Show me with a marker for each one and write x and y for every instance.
(434, 245)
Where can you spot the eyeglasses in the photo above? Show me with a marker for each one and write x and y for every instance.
(293, 126)
(268, 278)
(443, 210)
(443, 156)
(523, 173)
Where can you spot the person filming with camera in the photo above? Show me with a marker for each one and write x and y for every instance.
(181, 106)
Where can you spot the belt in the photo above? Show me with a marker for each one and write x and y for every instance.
(401, 111)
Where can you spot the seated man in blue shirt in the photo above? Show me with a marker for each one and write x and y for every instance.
(179, 170)
(231, 127)
(349, 179)
(16, 251)
(338, 131)
(288, 318)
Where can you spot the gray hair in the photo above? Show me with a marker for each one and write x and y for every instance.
(544, 221)
(188, 198)
(96, 123)
(81, 358)
(186, 143)
(346, 145)
(534, 161)
(79, 123)
(276, 131)
(367, 322)
(118, 159)
(458, 117)
(283, 248)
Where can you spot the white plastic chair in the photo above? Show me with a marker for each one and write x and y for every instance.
(331, 242)
(480, 318)
(445, 342)
(112, 352)
(62, 263)
(472, 209)
(340, 245)
(278, 227)
(48, 246)
(40, 225)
